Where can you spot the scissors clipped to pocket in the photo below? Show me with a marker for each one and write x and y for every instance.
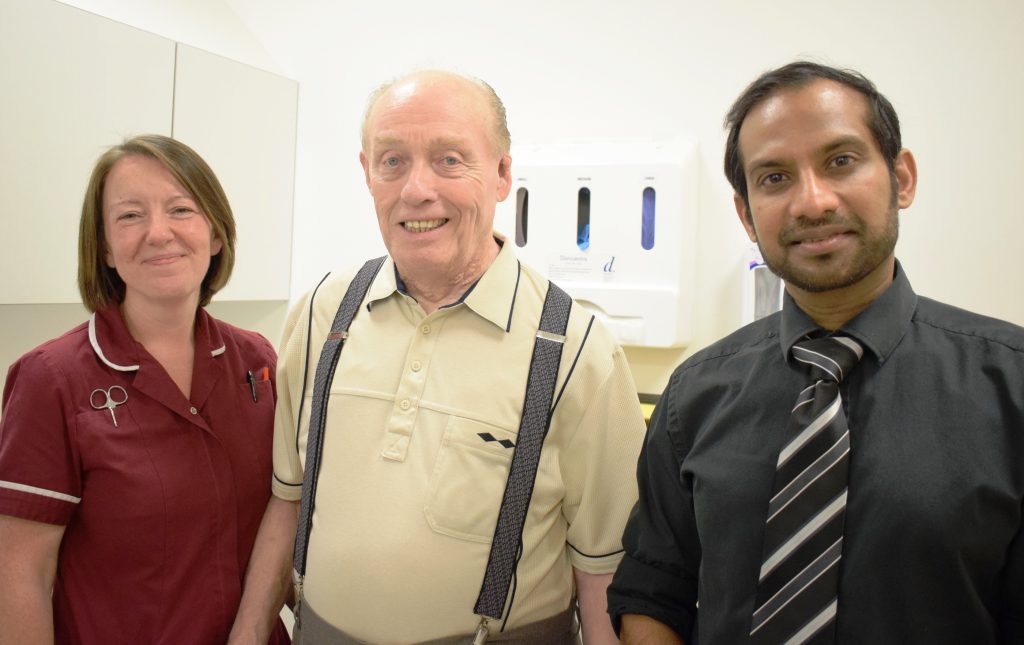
(110, 398)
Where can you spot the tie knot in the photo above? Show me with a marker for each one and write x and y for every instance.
(833, 356)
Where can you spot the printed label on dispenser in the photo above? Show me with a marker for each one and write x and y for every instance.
(571, 267)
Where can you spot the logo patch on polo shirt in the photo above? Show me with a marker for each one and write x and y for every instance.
(487, 436)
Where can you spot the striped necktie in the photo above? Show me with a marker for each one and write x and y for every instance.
(803, 541)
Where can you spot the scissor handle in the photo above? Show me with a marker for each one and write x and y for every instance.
(105, 401)
(109, 399)
(110, 394)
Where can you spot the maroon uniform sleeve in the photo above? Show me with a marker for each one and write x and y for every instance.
(39, 473)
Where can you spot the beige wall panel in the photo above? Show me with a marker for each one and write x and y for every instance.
(242, 121)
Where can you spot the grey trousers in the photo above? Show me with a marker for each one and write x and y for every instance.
(561, 629)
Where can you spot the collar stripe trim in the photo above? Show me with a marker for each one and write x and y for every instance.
(99, 352)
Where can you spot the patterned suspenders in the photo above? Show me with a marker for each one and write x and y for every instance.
(533, 428)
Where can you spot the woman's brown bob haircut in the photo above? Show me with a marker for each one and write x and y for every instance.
(99, 284)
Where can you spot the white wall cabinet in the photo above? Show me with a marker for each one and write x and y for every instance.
(241, 120)
(73, 84)
(76, 83)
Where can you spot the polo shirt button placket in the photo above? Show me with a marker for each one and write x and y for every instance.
(193, 410)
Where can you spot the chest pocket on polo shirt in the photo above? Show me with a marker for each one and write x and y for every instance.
(468, 481)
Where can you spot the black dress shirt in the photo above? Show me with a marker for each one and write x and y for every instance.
(934, 546)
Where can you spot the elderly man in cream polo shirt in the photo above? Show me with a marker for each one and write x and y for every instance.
(425, 405)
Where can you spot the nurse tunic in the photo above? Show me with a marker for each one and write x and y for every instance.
(160, 509)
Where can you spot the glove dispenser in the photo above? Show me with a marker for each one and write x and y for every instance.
(613, 224)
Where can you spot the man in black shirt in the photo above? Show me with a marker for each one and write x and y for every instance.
(932, 550)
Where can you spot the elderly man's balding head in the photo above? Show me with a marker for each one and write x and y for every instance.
(473, 90)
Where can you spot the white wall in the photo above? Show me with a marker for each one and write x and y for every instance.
(653, 69)
(206, 24)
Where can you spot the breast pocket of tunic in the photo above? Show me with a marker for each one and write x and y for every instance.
(251, 428)
(468, 482)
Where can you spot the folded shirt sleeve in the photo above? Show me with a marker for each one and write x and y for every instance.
(659, 570)
(1011, 610)
(599, 462)
(292, 365)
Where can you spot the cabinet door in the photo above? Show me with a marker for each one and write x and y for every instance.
(241, 120)
(73, 85)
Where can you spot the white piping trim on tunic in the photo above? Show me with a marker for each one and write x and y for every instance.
(126, 368)
(40, 491)
(99, 352)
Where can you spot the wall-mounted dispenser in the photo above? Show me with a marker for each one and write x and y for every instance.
(762, 289)
(614, 225)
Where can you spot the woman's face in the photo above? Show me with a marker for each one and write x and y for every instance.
(157, 238)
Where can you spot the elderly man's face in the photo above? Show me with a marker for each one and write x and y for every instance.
(435, 176)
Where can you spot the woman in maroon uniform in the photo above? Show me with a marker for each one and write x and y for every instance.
(135, 450)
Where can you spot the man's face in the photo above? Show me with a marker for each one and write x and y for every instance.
(435, 176)
(823, 203)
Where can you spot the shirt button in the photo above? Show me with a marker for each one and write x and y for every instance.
(416, 366)
(193, 410)
(404, 404)
(425, 329)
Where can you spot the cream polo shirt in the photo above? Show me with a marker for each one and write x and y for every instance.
(423, 414)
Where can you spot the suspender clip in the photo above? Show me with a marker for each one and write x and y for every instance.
(297, 582)
(480, 637)
(555, 338)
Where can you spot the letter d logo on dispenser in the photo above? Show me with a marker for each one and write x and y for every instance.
(608, 265)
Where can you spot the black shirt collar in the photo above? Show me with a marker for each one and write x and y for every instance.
(879, 328)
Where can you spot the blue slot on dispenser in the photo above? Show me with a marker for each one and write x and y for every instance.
(647, 220)
(583, 219)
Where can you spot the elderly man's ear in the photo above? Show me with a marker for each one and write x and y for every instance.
(504, 177)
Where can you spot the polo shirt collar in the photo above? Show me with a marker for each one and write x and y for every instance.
(879, 328)
(385, 284)
(115, 347)
(492, 297)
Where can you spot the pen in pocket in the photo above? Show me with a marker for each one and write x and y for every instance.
(264, 375)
